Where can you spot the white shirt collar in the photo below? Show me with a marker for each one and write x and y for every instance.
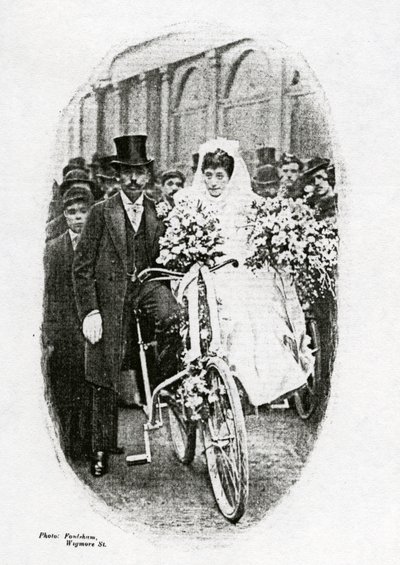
(127, 202)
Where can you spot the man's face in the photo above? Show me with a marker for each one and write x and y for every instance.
(76, 214)
(134, 180)
(321, 182)
(171, 186)
(289, 173)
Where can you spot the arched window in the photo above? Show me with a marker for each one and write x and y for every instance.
(246, 107)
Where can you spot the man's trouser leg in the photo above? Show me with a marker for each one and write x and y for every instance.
(104, 419)
(161, 310)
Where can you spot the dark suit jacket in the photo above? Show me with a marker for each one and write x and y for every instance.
(100, 279)
(61, 322)
(56, 227)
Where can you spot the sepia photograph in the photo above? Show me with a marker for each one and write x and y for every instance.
(198, 324)
(191, 270)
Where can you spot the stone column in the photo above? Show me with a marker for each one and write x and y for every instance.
(164, 117)
(213, 64)
(143, 103)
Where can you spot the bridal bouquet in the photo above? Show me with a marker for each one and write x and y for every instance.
(196, 392)
(287, 236)
(193, 235)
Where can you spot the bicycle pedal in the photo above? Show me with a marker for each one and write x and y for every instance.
(139, 459)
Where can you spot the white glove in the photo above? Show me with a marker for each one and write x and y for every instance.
(92, 327)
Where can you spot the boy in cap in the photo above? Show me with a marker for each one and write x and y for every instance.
(73, 178)
(62, 329)
(291, 184)
(171, 182)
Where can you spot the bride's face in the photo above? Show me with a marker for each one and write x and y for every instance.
(216, 181)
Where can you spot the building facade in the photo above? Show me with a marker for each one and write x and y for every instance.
(183, 88)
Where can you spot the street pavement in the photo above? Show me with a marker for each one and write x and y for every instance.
(171, 498)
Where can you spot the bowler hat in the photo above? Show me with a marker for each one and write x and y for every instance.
(266, 176)
(287, 158)
(314, 165)
(173, 173)
(106, 170)
(76, 193)
(266, 155)
(75, 176)
(131, 151)
(74, 163)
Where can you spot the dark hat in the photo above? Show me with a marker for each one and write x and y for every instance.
(173, 173)
(76, 193)
(195, 159)
(287, 158)
(106, 170)
(314, 165)
(267, 175)
(75, 176)
(131, 151)
(74, 163)
(266, 155)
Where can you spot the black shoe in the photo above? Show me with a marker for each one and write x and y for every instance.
(99, 464)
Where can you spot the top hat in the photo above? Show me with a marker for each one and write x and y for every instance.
(195, 159)
(266, 155)
(131, 151)
(75, 176)
(314, 165)
(74, 163)
(287, 158)
(76, 193)
(106, 170)
(266, 176)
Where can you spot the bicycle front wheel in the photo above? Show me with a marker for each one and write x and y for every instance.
(225, 442)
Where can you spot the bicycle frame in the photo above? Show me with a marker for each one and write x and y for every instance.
(153, 408)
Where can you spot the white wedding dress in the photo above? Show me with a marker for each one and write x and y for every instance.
(261, 320)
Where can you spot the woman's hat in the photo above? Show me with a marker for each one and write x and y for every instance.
(131, 151)
(76, 176)
(314, 165)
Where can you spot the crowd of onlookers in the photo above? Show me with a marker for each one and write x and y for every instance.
(82, 185)
(312, 180)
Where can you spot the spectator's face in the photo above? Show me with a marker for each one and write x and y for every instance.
(171, 186)
(76, 214)
(216, 181)
(289, 173)
(134, 180)
(321, 182)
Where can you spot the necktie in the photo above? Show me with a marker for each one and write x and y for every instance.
(75, 240)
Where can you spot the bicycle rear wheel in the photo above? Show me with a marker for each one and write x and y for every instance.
(306, 399)
(183, 434)
(225, 442)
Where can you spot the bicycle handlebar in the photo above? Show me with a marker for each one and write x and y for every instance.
(174, 275)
